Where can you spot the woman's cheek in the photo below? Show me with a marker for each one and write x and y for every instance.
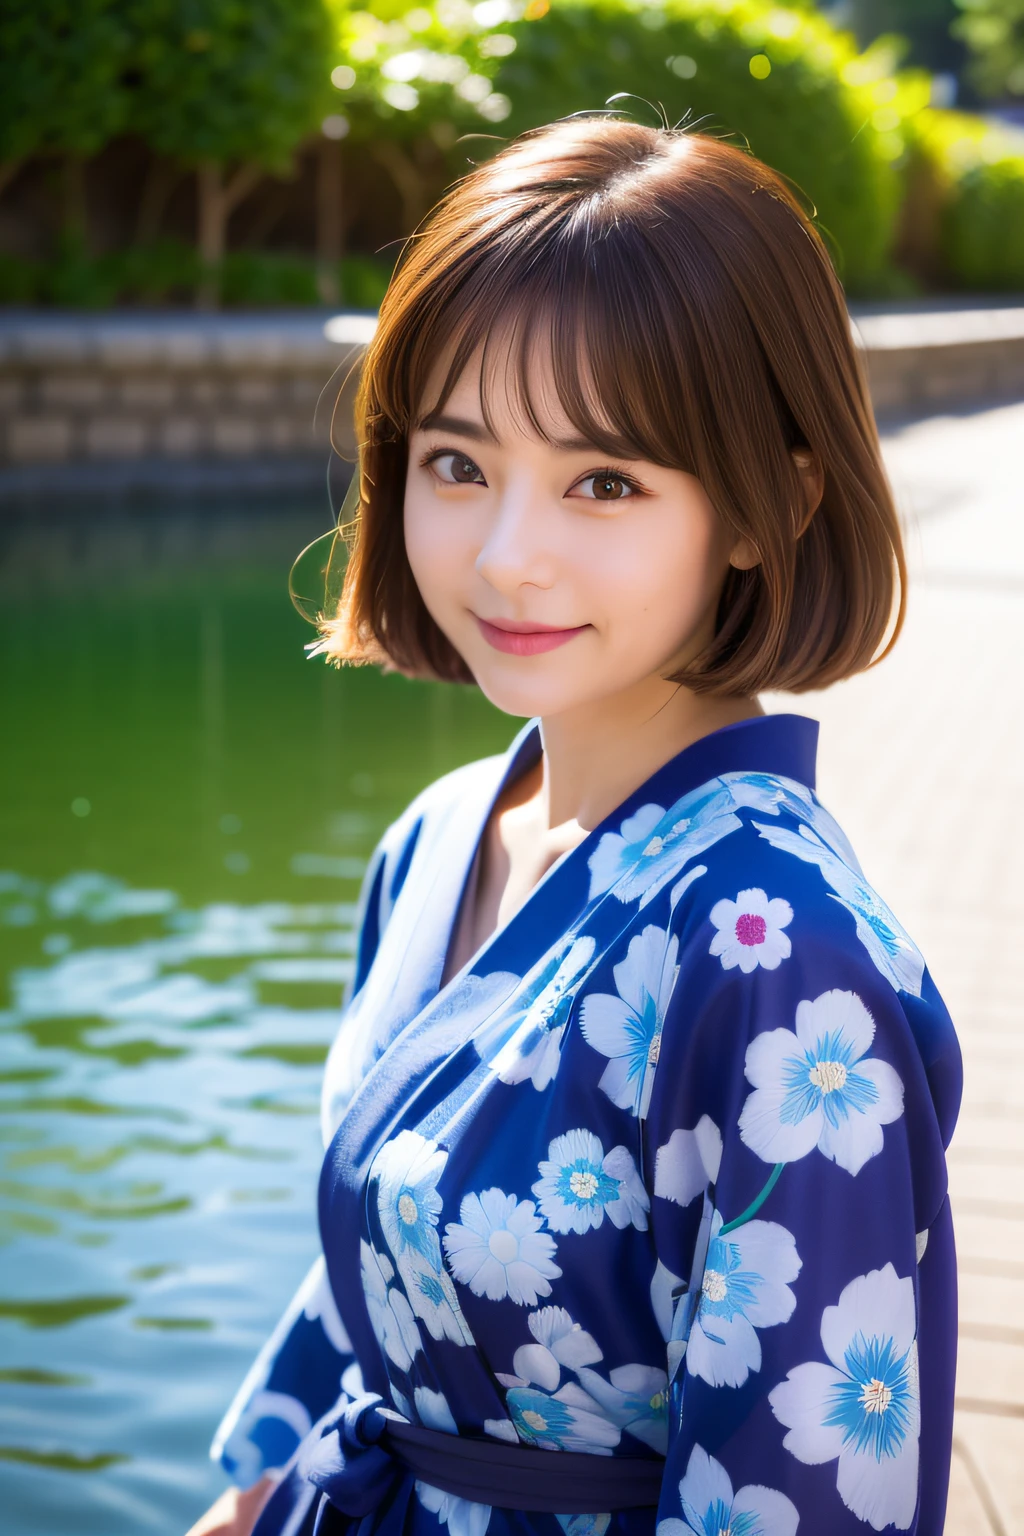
(426, 541)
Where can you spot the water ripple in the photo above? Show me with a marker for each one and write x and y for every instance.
(156, 1048)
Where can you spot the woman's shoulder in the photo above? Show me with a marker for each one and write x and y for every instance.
(781, 921)
(780, 859)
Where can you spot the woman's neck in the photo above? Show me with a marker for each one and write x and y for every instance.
(593, 760)
(595, 756)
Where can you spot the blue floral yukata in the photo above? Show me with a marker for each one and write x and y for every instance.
(659, 1173)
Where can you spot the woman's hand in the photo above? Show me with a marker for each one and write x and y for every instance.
(235, 1512)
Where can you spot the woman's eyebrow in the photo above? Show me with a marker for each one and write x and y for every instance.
(478, 433)
(462, 426)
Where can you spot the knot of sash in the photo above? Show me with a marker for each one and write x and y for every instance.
(347, 1463)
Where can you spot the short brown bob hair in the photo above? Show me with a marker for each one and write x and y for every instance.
(713, 328)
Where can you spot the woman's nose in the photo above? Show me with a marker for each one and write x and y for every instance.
(516, 551)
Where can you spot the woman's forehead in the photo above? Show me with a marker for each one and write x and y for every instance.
(509, 388)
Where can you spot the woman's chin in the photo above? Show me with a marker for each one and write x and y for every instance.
(539, 695)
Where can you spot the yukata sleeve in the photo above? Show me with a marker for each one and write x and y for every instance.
(307, 1362)
(805, 1263)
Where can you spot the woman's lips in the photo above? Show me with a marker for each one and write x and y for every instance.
(525, 639)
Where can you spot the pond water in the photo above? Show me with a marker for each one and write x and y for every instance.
(186, 806)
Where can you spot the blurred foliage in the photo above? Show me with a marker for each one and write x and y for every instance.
(234, 88)
(228, 79)
(983, 236)
(62, 76)
(968, 180)
(783, 81)
(169, 271)
(994, 32)
(424, 79)
(924, 24)
(422, 72)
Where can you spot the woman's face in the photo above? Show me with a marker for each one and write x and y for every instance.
(561, 576)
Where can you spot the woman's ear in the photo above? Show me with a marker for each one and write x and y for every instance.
(744, 556)
(812, 478)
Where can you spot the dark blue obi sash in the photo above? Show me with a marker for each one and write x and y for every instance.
(364, 1451)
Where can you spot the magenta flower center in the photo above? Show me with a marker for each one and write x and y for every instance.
(750, 929)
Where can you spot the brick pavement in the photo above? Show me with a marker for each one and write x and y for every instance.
(923, 762)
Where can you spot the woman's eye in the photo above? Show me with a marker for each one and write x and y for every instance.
(456, 469)
(605, 486)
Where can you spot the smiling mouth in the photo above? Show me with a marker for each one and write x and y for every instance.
(525, 639)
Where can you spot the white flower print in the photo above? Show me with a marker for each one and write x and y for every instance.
(566, 1420)
(501, 1429)
(745, 1287)
(391, 1316)
(750, 931)
(770, 794)
(433, 1298)
(711, 1508)
(559, 1342)
(407, 1170)
(498, 1249)
(580, 1184)
(544, 1414)
(635, 1398)
(461, 1516)
(433, 1411)
(524, 1039)
(627, 1028)
(688, 1162)
(891, 949)
(863, 1409)
(652, 845)
(817, 1087)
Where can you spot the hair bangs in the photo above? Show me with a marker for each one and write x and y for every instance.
(586, 293)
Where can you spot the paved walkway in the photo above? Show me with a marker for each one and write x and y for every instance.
(923, 762)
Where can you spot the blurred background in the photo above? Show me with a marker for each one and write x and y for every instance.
(200, 204)
(268, 152)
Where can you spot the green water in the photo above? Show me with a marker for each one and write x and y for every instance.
(186, 805)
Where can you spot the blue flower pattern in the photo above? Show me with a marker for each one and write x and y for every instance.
(695, 1179)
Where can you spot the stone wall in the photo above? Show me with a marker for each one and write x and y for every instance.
(173, 400)
(179, 401)
(926, 359)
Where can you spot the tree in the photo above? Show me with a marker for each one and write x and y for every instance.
(410, 81)
(994, 33)
(781, 79)
(62, 91)
(926, 25)
(229, 88)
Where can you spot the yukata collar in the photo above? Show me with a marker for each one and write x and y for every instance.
(540, 933)
(784, 745)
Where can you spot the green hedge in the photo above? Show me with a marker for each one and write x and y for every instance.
(966, 183)
(408, 85)
(169, 272)
(983, 231)
(784, 81)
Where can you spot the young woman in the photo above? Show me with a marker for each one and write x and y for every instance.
(634, 1205)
